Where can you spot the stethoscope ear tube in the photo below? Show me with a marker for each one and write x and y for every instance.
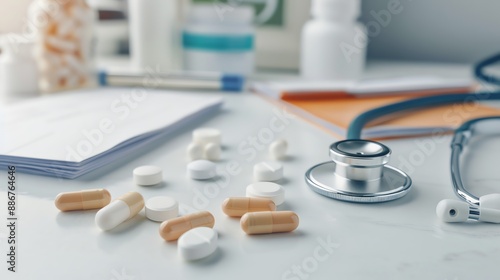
(356, 126)
(479, 70)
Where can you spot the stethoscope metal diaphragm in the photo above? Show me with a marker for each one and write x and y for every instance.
(358, 173)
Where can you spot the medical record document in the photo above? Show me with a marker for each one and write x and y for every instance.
(70, 134)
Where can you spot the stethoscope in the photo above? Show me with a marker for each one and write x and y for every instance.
(358, 170)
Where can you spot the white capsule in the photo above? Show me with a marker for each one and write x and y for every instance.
(194, 151)
(120, 210)
(207, 135)
(61, 44)
(267, 190)
(212, 152)
(47, 60)
(75, 64)
(64, 26)
(267, 171)
(277, 149)
(201, 169)
(197, 243)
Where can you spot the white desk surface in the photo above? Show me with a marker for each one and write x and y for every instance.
(402, 239)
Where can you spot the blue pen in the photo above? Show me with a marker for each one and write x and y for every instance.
(175, 80)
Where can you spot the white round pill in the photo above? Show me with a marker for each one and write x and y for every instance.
(197, 243)
(212, 151)
(267, 171)
(201, 169)
(195, 151)
(268, 190)
(277, 149)
(207, 135)
(148, 175)
(161, 208)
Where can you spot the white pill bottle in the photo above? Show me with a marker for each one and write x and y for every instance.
(63, 31)
(333, 41)
(218, 40)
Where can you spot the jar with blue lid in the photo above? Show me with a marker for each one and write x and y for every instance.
(219, 40)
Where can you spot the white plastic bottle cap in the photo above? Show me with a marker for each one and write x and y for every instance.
(336, 9)
(148, 175)
(268, 190)
(267, 171)
(161, 208)
(197, 243)
(208, 14)
(201, 169)
(207, 135)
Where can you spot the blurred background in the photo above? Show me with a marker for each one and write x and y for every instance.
(459, 31)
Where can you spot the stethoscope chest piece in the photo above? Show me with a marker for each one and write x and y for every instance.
(358, 173)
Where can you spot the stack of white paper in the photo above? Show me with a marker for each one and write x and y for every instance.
(70, 134)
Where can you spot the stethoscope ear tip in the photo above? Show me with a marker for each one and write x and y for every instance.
(452, 211)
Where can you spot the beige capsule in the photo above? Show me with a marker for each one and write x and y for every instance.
(82, 200)
(238, 206)
(172, 229)
(269, 222)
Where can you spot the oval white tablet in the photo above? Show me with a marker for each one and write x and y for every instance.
(205, 135)
(161, 208)
(268, 190)
(267, 171)
(197, 243)
(277, 149)
(201, 169)
(148, 175)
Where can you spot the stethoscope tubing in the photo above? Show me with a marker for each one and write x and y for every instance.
(356, 126)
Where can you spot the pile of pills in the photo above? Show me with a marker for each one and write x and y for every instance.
(64, 43)
(195, 234)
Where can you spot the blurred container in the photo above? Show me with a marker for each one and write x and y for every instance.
(154, 34)
(111, 27)
(221, 41)
(333, 41)
(64, 43)
(18, 68)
